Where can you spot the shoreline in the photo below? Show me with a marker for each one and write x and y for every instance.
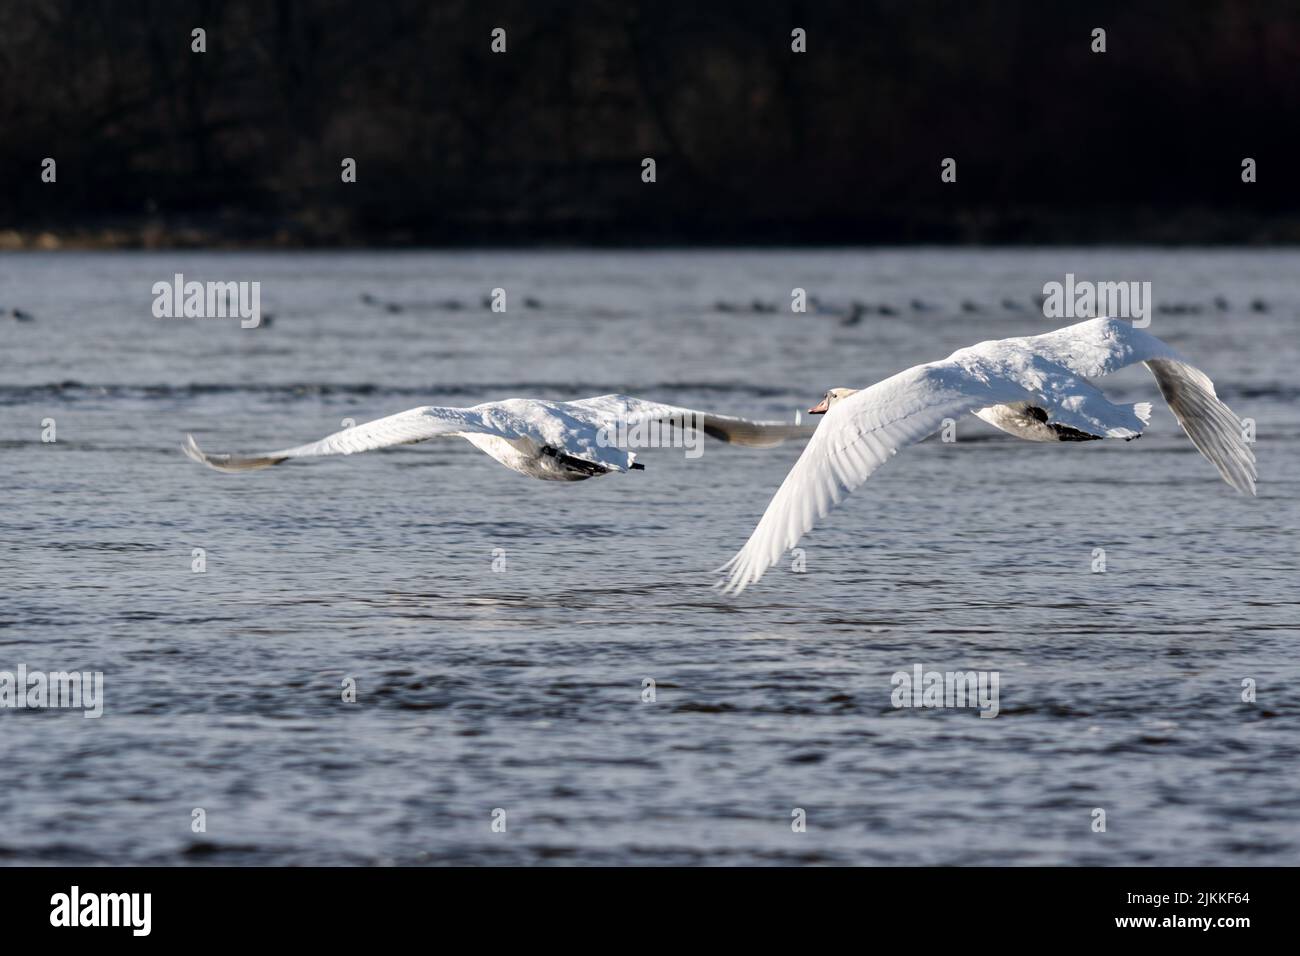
(1195, 228)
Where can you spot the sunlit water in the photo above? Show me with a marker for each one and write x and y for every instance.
(522, 689)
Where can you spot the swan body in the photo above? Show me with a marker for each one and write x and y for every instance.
(1034, 387)
(551, 441)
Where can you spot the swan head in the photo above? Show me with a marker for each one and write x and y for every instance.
(829, 399)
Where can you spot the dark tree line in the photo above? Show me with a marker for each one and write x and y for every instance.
(752, 142)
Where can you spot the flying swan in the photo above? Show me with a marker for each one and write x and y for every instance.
(553, 441)
(1033, 388)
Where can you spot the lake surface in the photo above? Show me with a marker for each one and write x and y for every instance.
(521, 689)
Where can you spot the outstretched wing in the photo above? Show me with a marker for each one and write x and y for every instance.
(1099, 346)
(857, 436)
(1216, 432)
(615, 410)
(404, 428)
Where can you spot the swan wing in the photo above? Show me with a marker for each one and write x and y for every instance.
(1099, 346)
(611, 411)
(858, 435)
(404, 428)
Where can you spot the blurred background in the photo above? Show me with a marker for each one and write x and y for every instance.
(754, 144)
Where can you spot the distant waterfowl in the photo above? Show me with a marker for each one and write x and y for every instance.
(1011, 305)
(553, 441)
(1034, 388)
(855, 315)
(1258, 305)
(438, 305)
(969, 306)
(819, 306)
(756, 306)
(18, 315)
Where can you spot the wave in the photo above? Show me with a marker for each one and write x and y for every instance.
(73, 390)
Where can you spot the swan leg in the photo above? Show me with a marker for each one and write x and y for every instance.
(583, 467)
(1066, 433)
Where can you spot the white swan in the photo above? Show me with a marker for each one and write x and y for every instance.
(1032, 387)
(553, 441)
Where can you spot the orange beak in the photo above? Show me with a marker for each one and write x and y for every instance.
(820, 407)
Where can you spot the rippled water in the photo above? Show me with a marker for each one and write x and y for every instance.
(521, 690)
